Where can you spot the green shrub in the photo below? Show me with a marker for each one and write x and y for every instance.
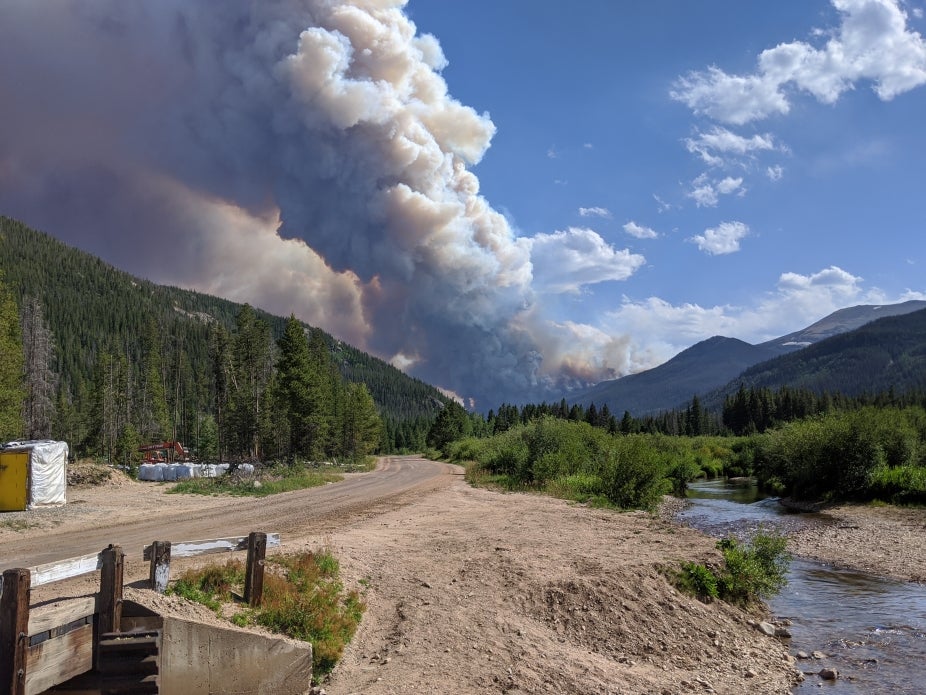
(699, 580)
(900, 485)
(755, 570)
(633, 474)
(581, 487)
(751, 571)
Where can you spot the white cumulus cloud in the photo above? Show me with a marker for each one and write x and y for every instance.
(706, 192)
(604, 213)
(639, 231)
(872, 43)
(565, 261)
(723, 239)
(797, 301)
(713, 145)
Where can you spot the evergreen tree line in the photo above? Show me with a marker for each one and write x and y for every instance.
(748, 411)
(693, 420)
(261, 399)
(758, 409)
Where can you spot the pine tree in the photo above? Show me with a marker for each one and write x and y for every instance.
(295, 389)
(11, 367)
(252, 357)
(361, 427)
(153, 418)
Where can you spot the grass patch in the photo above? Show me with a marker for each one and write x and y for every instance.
(269, 480)
(303, 599)
(751, 571)
(17, 524)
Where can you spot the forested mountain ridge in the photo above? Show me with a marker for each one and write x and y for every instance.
(91, 307)
(698, 369)
(842, 321)
(882, 356)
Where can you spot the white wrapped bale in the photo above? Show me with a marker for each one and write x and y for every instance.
(146, 472)
(184, 471)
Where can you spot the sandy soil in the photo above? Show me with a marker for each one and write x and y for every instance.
(477, 591)
(887, 541)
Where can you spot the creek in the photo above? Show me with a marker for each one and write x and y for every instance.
(872, 630)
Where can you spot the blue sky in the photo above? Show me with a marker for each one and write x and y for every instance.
(586, 120)
(508, 199)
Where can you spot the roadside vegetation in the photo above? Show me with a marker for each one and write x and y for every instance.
(303, 598)
(270, 479)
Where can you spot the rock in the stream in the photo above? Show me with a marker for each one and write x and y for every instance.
(767, 629)
(829, 674)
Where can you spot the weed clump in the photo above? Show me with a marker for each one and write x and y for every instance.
(303, 598)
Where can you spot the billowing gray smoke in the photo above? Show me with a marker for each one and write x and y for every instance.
(302, 156)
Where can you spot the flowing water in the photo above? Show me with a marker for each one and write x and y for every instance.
(872, 630)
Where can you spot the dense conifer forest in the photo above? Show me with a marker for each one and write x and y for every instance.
(112, 360)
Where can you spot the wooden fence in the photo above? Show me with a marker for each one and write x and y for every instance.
(46, 645)
(160, 553)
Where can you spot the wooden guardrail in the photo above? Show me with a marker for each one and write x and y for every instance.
(46, 645)
(160, 553)
(42, 648)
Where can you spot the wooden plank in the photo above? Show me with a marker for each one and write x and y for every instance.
(65, 569)
(14, 629)
(59, 659)
(50, 616)
(215, 545)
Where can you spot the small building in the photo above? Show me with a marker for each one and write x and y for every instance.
(33, 474)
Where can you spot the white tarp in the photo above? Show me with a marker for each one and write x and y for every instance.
(48, 471)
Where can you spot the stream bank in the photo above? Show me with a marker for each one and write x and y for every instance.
(852, 600)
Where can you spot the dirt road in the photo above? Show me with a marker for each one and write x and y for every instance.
(134, 515)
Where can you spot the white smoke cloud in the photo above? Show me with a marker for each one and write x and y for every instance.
(872, 43)
(303, 155)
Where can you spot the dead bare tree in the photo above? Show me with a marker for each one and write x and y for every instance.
(41, 379)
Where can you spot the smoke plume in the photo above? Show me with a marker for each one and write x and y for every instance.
(304, 156)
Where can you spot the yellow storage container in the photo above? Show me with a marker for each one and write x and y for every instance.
(33, 474)
(14, 481)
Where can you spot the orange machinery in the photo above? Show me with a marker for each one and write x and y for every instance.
(164, 452)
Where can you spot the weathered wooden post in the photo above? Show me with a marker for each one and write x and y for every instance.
(14, 631)
(160, 566)
(254, 572)
(111, 573)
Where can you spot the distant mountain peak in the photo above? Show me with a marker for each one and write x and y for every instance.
(713, 363)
